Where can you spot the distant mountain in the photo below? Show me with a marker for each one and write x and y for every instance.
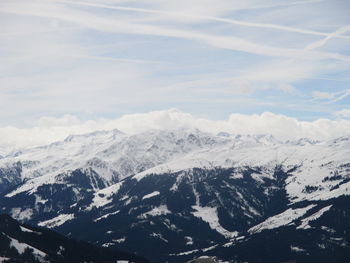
(24, 243)
(176, 195)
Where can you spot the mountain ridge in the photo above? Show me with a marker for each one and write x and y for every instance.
(25, 243)
(205, 193)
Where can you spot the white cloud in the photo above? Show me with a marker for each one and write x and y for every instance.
(340, 31)
(112, 25)
(138, 55)
(282, 127)
(345, 113)
(331, 97)
(341, 95)
(323, 95)
(65, 121)
(287, 88)
(204, 11)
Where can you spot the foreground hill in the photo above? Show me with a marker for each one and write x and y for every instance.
(184, 194)
(24, 243)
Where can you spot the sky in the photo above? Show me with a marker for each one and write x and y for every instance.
(97, 61)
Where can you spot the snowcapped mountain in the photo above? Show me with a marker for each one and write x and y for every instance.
(112, 155)
(188, 194)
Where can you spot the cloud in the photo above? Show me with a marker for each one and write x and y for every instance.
(51, 129)
(104, 58)
(345, 113)
(109, 24)
(287, 88)
(340, 31)
(331, 96)
(341, 95)
(185, 12)
(65, 121)
(322, 95)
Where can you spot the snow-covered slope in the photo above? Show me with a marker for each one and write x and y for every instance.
(321, 170)
(205, 192)
(111, 155)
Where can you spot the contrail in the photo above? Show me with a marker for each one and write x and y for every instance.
(231, 43)
(218, 19)
(342, 95)
(322, 42)
(126, 60)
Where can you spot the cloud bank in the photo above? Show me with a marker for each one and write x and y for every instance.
(51, 129)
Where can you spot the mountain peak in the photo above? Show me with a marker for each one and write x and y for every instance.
(95, 134)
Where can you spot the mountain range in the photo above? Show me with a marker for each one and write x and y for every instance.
(181, 194)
